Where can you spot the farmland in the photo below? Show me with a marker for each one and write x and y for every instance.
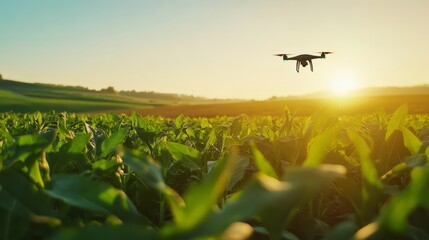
(300, 106)
(107, 176)
(30, 97)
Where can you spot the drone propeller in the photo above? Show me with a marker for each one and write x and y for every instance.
(282, 54)
(323, 54)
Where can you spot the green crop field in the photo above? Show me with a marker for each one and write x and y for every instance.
(111, 176)
(417, 104)
(29, 97)
(24, 97)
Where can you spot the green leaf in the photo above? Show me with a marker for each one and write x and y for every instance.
(394, 217)
(260, 161)
(104, 165)
(409, 163)
(146, 136)
(78, 144)
(211, 140)
(30, 145)
(318, 146)
(182, 152)
(201, 198)
(372, 184)
(111, 143)
(100, 197)
(239, 170)
(412, 142)
(369, 171)
(149, 172)
(37, 116)
(397, 122)
(271, 199)
(71, 153)
(4, 133)
(417, 160)
(97, 137)
(24, 201)
(34, 170)
(321, 120)
(30, 150)
(24, 191)
(138, 121)
(179, 121)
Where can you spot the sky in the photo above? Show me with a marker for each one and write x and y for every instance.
(215, 49)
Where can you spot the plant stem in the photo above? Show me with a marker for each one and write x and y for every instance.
(161, 210)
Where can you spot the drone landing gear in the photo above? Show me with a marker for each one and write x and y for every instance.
(304, 64)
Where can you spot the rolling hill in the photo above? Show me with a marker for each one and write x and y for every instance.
(29, 97)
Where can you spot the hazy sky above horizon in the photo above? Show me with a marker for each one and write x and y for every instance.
(221, 49)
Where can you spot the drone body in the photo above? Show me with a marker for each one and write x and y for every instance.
(303, 59)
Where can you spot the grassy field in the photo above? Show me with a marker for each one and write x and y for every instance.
(28, 97)
(301, 106)
(25, 97)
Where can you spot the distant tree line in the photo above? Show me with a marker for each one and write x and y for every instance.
(109, 90)
(163, 96)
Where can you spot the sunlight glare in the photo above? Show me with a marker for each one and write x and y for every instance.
(342, 85)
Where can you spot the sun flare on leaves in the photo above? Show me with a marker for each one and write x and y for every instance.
(343, 85)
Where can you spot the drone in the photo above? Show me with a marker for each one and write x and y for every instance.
(303, 59)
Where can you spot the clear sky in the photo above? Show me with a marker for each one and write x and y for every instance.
(221, 49)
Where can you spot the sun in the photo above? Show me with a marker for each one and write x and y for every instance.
(343, 84)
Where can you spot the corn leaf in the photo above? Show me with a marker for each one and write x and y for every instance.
(412, 142)
(318, 146)
(110, 144)
(262, 164)
(100, 197)
(397, 122)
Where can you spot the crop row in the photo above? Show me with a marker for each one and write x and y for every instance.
(109, 176)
